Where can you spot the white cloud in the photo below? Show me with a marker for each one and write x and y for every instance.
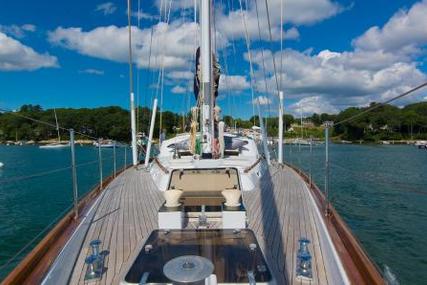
(106, 8)
(403, 33)
(17, 31)
(262, 100)
(233, 83)
(93, 71)
(177, 5)
(143, 16)
(178, 90)
(295, 12)
(310, 105)
(28, 27)
(16, 56)
(357, 77)
(172, 44)
(180, 75)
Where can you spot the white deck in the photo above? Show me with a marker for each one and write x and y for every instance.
(279, 214)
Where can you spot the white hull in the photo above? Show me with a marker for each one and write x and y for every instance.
(54, 146)
(107, 145)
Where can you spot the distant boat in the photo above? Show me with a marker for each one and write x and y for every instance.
(1, 164)
(54, 145)
(58, 144)
(106, 144)
(421, 144)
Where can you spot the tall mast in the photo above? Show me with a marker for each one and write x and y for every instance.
(132, 96)
(57, 125)
(206, 84)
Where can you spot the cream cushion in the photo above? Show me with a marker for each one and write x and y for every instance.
(172, 198)
(232, 197)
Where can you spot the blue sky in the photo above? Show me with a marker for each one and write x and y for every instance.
(336, 53)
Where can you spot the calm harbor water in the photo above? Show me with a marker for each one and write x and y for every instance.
(381, 192)
(36, 189)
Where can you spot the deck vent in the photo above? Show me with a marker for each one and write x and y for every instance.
(304, 260)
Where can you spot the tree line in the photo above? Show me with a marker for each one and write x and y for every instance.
(385, 122)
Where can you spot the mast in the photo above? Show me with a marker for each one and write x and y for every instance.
(57, 125)
(280, 145)
(132, 96)
(206, 82)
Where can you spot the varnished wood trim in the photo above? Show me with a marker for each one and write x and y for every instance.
(36, 264)
(156, 160)
(249, 168)
(359, 267)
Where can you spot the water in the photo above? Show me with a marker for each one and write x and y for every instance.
(381, 192)
(29, 204)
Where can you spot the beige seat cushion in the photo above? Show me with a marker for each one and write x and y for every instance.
(232, 197)
(172, 198)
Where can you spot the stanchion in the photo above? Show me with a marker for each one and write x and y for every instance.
(114, 159)
(100, 164)
(328, 124)
(74, 175)
(125, 156)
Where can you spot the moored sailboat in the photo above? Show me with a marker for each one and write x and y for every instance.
(58, 144)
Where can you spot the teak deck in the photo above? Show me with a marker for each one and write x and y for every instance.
(282, 211)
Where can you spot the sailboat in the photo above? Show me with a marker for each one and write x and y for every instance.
(208, 209)
(58, 144)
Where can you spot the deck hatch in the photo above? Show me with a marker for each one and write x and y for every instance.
(233, 254)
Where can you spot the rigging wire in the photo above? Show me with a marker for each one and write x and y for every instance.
(271, 42)
(381, 104)
(248, 47)
(48, 172)
(162, 69)
(263, 63)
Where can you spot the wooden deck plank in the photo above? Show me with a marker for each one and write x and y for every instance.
(290, 204)
(279, 213)
(121, 224)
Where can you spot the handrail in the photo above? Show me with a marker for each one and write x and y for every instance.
(164, 169)
(44, 173)
(250, 167)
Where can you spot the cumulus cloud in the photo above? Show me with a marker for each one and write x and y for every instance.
(92, 71)
(339, 78)
(403, 33)
(172, 45)
(106, 8)
(180, 75)
(17, 31)
(311, 105)
(262, 100)
(233, 83)
(295, 12)
(179, 90)
(16, 56)
(140, 15)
